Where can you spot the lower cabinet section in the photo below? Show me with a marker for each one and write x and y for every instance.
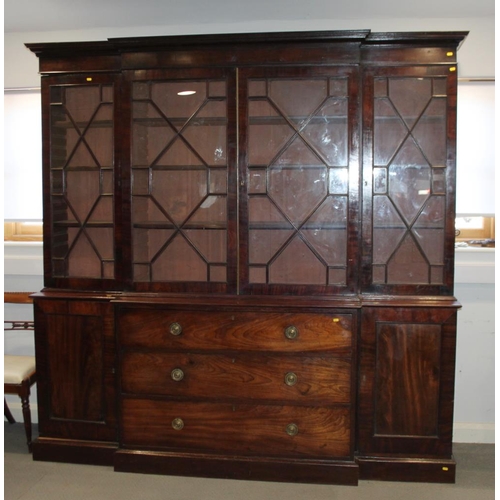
(243, 394)
(283, 393)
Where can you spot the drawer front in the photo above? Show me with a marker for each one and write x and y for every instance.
(249, 331)
(306, 379)
(245, 429)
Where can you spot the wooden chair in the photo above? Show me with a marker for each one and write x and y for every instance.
(19, 371)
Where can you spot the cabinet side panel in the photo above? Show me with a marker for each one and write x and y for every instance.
(407, 379)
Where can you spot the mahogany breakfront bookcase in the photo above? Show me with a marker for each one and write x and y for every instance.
(249, 248)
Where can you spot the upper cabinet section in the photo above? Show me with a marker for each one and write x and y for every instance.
(315, 163)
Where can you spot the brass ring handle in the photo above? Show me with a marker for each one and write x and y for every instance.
(175, 329)
(292, 429)
(177, 424)
(291, 332)
(177, 374)
(291, 379)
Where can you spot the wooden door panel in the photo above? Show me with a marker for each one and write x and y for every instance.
(406, 382)
(75, 365)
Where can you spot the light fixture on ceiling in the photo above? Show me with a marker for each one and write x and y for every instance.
(186, 92)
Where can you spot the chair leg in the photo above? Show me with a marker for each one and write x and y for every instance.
(7, 413)
(27, 419)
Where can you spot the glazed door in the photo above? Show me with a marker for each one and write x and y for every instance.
(408, 180)
(79, 115)
(183, 180)
(299, 180)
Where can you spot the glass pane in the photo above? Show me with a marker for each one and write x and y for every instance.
(408, 264)
(297, 264)
(83, 259)
(430, 133)
(218, 274)
(265, 244)
(179, 190)
(82, 181)
(409, 188)
(297, 192)
(189, 265)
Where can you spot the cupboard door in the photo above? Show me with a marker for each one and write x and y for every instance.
(409, 179)
(183, 180)
(79, 181)
(406, 384)
(75, 369)
(299, 179)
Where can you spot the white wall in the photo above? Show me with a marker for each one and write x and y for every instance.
(475, 374)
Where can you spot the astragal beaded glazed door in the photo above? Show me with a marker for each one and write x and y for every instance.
(408, 225)
(299, 172)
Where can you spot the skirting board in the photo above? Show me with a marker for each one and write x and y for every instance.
(470, 432)
(463, 432)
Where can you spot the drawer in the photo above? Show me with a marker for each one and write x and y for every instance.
(306, 379)
(237, 429)
(248, 331)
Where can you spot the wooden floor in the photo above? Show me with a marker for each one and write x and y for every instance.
(28, 480)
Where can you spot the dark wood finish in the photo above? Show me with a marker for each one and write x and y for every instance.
(320, 380)
(238, 331)
(74, 451)
(406, 396)
(322, 432)
(309, 181)
(407, 469)
(238, 467)
(76, 361)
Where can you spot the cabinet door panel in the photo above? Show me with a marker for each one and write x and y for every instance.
(77, 350)
(409, 175)
(182, 183)
(79, 141)
(75, 369)
(406, 384)
(299, 182)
